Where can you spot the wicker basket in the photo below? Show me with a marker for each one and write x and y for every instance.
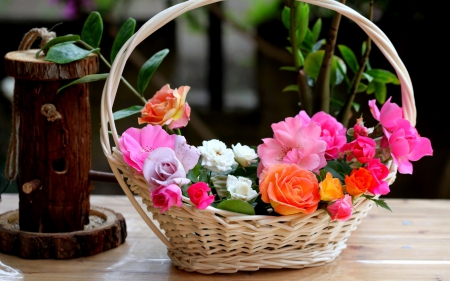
(213, 240)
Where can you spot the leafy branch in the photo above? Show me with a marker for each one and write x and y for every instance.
(65, 49)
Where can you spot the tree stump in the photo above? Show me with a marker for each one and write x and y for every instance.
(54, 142)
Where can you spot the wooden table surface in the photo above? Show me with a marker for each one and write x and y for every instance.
(412, 243)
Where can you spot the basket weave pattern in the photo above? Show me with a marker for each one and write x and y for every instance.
(213, 240)
(209, 243)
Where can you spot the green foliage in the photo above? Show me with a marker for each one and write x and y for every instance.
(378, 202)
(148, 69)
(86, 79)
(57, 40)
(338, 169)
(67, 52)
(237, 206)
(93, 29)
(127, 112)
(125, 32)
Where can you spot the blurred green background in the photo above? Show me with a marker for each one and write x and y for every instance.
(236, 84)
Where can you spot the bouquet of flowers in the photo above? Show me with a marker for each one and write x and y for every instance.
(308, 163)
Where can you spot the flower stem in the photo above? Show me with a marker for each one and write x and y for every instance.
(344, 115)
(133, 90)
(322, 85)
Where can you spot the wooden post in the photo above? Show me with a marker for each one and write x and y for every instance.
(54, 141)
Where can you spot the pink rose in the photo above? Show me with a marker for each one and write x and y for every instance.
(135, 144)
(162, 167)
(363, 149)
(379, 173)
(341, 209)
(359, 129)
(406, 145)
(198, 193)
(187, 154)
(333, 132)
(167, 107)
(294, 143)
(165, 197)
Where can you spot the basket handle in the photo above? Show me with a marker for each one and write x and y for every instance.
(169, 14)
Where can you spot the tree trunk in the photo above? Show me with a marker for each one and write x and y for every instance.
(55, 142)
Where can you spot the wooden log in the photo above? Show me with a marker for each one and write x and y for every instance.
(55, 141)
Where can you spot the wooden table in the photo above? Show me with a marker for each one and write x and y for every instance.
(412, 243)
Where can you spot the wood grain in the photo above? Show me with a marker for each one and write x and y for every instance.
(411, 243)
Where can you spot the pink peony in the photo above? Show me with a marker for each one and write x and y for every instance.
(406, 145)
(198, 193)
(165, 197)
(294, 143)
(162, 167)
(341, 209)
(333, 132)
(363, 149)
(135, 144)
(379, 173)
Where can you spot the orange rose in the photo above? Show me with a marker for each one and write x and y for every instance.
(167, 107)
(331, 189)
(359, 181)
(289, 189)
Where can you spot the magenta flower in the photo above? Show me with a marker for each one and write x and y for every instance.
(389, 113)
(165, 197)
(341, 209)
(198, 193)
(363, 149)
(406, 145)
(135, 144)
(162, 167)
(294, 143)
(379, 173)
(333, 132)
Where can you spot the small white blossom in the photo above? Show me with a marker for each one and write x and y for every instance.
(216, 156)
(244, 155)
(240, 188)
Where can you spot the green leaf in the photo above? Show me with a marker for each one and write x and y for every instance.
(148, 69)
(127, 112)
(338, 71)
(302, 17)
(317, 27)
(85, 79)
(286, 17)
(289, 49)
(381, 203)
(60, 39)
(288, 68)
(361, 87)
(367, 76)
(339, 169)
(236, 206)
(67, 52)
(380, 92)
(383, 76)
(318, 45)
(92, 29)
(349, 57)
(313, 61)
(292, 88)
(356, 106)
(371, 88)
(125, 32)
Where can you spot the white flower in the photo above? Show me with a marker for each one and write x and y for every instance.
(216, 156)
(244, 155)
(240, 188)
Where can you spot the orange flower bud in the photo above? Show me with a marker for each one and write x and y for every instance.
(331, 189)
